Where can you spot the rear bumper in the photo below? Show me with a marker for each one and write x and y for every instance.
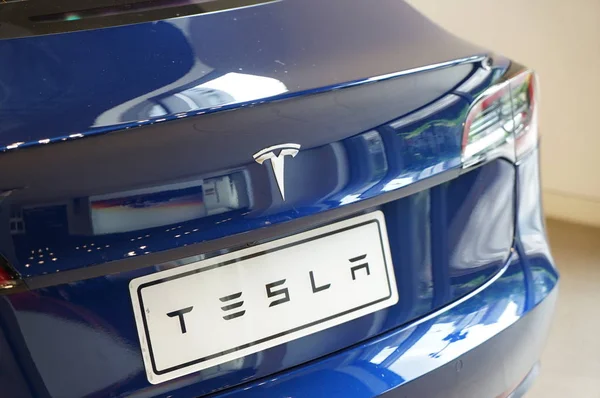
(508, 359)
(484, 345)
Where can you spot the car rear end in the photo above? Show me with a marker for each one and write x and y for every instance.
(256, 199)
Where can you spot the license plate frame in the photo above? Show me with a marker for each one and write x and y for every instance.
(348, 233)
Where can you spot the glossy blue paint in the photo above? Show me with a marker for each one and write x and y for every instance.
(397, 358)
(533, 246)
(433, 264)
(141, 72)
(70, 232)
(378, 109)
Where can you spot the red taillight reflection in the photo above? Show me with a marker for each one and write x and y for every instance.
(8, 278)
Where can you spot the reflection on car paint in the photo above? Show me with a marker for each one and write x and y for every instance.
(421, 242)
(230, 88)
(262, 78)
(164, 70)
(124, 224)
(407, 353)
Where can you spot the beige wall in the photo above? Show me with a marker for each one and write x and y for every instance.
(561, 41)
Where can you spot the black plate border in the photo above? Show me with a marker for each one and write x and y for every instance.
(236, 260)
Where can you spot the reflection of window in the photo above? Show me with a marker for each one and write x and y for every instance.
(241, 87)
(227, 89)
(16, 222)
(157, 111)
(165, 205)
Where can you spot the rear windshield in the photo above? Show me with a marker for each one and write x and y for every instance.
(20, 18)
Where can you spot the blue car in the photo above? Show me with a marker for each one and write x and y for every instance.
(261, 198)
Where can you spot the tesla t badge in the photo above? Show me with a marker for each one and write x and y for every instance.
(277, 161)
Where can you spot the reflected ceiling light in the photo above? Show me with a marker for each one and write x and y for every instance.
(244, 87)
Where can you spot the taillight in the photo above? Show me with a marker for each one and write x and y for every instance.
(9, 279)
(504, 113)
(523, 93)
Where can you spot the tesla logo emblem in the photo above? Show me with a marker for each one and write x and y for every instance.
(277, 161)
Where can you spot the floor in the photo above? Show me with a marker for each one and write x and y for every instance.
(571, 360)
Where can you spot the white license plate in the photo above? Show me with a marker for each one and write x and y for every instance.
(206, 313)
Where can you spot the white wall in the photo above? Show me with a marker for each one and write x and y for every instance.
(561, 41)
